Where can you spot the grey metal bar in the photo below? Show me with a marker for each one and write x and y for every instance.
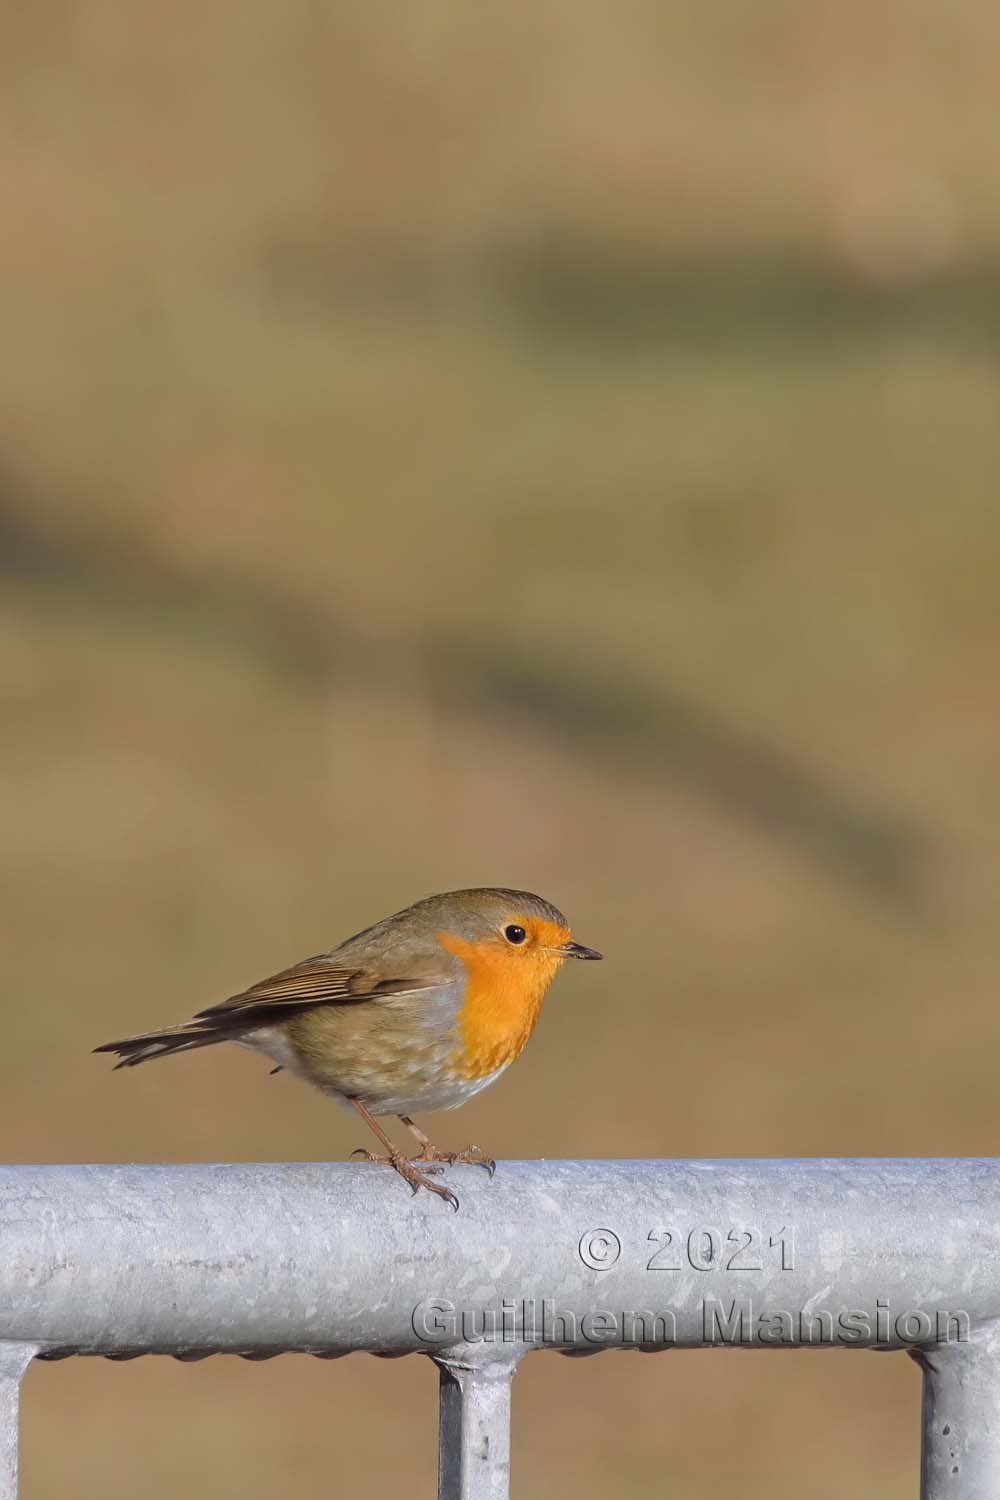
(201, 1259)
(578, 1256)
(256, 1259)
(14, 1360)
(474, 1452)
(960, 1452)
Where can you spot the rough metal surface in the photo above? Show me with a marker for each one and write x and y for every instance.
(960, 1453)
(578, 1256)
(474, 1460)
(14, 1360)
(330, 1258)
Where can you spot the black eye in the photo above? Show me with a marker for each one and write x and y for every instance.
(514, 934)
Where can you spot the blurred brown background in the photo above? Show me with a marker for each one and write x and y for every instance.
(551, 446)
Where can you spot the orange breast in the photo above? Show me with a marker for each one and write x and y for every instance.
(503, 999)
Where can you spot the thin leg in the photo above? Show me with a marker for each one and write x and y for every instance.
(14, 1360)
(402, 1164)
(475, 1431)
(474, 1155)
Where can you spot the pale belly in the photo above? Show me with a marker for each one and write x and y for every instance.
(423, 1083)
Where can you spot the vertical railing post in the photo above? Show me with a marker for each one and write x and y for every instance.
(474, 1451)
(14, 1360)
(960, 1451)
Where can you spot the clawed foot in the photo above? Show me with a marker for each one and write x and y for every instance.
(409, 1172)
(409, 1167)
(471, 1155)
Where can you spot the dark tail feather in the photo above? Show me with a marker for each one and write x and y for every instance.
(137, 1049)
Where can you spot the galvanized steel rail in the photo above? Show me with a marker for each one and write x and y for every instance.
(576, 1256)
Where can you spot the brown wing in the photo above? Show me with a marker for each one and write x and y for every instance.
(314, 981)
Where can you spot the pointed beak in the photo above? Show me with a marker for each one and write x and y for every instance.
(577, 950)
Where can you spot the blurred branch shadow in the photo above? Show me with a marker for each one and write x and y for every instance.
(668, 736)
(601, 294)
(662, 737)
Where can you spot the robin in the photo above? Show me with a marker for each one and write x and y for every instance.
(421, 1011)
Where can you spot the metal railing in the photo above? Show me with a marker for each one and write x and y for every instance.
(576, 1256)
